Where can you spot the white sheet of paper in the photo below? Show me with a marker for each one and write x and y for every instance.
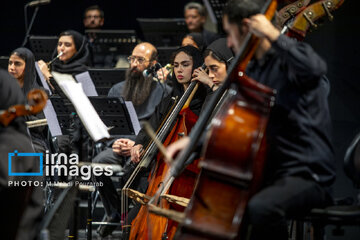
(89, 117)
(87, 84)
(52, 119)
(133, 116)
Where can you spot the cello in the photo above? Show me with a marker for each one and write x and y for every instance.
(176, 130)
(227, 168)
(150, 226)
(250, 109)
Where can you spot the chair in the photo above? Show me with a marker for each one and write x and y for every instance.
(345, 213)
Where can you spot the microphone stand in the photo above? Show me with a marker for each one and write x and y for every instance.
(27, 29)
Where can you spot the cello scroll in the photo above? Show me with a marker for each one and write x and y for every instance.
(309, 17)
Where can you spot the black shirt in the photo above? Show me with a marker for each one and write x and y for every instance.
(299, 127)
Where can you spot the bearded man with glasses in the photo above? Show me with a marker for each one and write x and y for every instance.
(145, 94)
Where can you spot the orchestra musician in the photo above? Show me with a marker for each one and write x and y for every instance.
(145, 94)
(300, 166)
(22, 67)
(195, 18)
(217, 58)
(73, 55)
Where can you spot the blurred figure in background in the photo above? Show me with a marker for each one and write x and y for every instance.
(195, 18)
(93, 17)
(194, 39)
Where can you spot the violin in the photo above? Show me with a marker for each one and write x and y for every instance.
(37, 100)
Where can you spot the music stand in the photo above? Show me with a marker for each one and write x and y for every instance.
(114, 113)
(163, 31)
(4, 62)
(63, 108)
(43, 47)
(104, 79)
(107, 42)
(165, 54)
(215, 11)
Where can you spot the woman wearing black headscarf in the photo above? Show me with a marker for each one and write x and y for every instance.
(22, 67)
(217, 58)
(191, 59)
(194, 39)
(74, 59)
(75, 56)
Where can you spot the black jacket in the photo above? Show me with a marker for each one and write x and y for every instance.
(299, 128)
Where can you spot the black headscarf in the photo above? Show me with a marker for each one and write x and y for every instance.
(29, 72)
(80, 61)
(220, 50)
(178, 88)
(198, 39)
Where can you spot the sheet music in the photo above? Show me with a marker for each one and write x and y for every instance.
(52, 119)
(133, 117)
(87, 84)
(89, 117)
(42, 78)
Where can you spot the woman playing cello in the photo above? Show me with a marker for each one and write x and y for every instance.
(185, 60)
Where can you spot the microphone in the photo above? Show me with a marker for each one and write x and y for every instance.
(38, 3)
(152, 70)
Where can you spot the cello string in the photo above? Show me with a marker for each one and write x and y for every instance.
(162, 134)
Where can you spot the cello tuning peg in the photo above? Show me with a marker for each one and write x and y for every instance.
(308, 17)
(327, 6)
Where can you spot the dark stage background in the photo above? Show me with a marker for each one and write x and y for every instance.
(338, 42)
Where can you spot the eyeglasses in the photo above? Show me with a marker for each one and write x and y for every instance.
(140, 60)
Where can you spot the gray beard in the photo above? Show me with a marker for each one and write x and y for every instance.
(137, 88)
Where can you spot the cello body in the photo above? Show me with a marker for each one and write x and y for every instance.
(232, 166)
(151, 226)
